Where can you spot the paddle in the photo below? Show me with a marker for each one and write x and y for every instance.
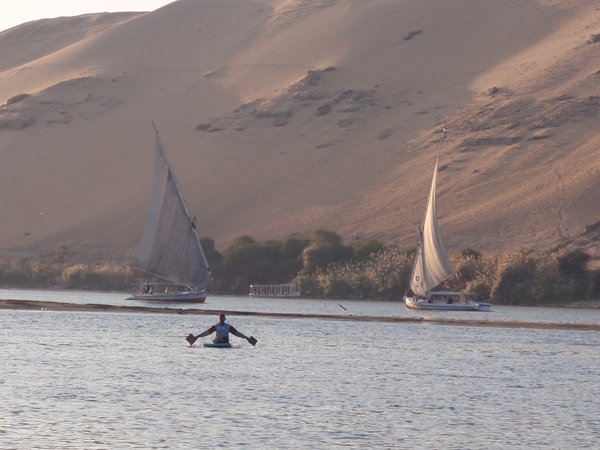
(191, 339)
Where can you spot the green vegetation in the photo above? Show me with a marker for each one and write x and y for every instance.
(322, 266)
(54, 272)
(384, 274)
(247, 262)
(98, 276)
(528, 279)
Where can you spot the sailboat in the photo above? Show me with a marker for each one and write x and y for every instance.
(170, 250)
(432, 267)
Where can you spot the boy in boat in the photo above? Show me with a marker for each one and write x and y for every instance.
(222, 330)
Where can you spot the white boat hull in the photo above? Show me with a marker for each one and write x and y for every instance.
(187, 296)
(423, 305)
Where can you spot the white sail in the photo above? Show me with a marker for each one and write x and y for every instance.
(432, 265)
(170, 248)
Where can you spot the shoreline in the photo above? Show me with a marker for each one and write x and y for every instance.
(94, 307)
(584, 304)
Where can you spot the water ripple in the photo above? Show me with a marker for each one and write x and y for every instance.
(102, 380)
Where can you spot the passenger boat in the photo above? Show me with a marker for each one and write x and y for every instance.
(274, 290)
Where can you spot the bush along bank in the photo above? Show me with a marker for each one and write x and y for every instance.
(324, 267)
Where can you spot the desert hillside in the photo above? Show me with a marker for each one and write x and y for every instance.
(285, 116)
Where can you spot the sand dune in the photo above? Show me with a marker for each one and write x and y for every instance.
(282, 117)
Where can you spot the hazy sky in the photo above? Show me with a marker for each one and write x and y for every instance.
(16, 12)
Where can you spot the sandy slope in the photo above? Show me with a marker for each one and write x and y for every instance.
(281, 117)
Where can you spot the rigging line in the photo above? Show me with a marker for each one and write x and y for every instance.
(172, 173)
(444, 132)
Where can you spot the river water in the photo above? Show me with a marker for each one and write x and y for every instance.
(128, 380)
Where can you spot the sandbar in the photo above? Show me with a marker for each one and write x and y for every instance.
(59, 306)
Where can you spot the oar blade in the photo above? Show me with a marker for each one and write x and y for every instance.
(190, 339)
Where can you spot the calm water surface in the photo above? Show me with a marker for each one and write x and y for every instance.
(315, 306)
(126, 380)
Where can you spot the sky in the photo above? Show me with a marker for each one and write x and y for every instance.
(16, 12)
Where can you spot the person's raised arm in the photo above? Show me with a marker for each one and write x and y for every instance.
(235, 332)
(207, 332)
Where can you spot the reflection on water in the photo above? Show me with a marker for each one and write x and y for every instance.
(116, 380)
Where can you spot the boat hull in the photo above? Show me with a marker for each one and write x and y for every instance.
(176, 297)
(217, 345)
(424, 305)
